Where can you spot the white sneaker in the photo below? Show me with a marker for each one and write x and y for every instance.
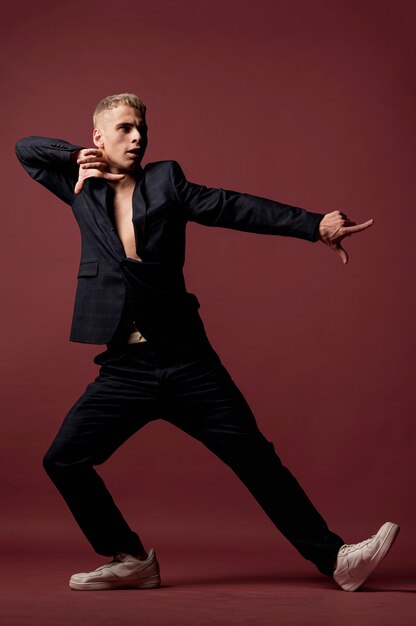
(357, 561)
(123, 572)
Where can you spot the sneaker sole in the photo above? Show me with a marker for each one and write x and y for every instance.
(108, 585)
(391, 530)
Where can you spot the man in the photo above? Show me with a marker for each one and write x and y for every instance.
(159, 363)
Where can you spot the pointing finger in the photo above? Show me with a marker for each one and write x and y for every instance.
(349, 230)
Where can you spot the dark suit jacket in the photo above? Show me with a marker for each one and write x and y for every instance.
(163, 202)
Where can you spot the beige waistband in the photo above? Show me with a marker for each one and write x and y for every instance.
(135, 337)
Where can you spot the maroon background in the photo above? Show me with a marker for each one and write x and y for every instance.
(310, 103)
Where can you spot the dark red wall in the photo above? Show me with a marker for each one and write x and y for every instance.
(309, 103)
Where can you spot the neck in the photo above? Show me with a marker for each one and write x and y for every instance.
(126, 183)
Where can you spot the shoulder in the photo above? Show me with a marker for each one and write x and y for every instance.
(167, 167)
(166, 174)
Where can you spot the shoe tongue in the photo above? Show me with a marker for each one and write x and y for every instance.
(123, 556)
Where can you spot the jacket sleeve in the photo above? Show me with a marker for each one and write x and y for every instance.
(48, 161)
(242, 211)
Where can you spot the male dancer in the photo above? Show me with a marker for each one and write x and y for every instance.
(159, 363)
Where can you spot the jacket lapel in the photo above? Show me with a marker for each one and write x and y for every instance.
(102, 210)
(103, 206)
(139, 214)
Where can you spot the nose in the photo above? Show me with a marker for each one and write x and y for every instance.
(138, 137)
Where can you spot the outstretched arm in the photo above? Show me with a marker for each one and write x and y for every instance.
(242, 211)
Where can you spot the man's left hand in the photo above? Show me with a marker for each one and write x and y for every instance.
(334, 226)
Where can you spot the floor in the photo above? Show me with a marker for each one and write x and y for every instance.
(198, 589)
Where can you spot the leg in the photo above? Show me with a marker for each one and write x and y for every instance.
(205, 402)
(115, 406)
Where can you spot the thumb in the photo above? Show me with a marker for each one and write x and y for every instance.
(79, 185)
(342, 253)
(113, 176)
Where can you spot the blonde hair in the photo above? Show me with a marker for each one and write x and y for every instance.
(111, 102)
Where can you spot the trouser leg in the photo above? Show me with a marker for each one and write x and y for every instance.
(205, 402)
(113, 408)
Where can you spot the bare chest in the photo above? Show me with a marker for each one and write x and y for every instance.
(123, 214)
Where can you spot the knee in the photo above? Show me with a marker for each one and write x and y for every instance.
(49, 462)
(59, 462)
(54, 463)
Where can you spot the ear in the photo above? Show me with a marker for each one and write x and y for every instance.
(97, 138)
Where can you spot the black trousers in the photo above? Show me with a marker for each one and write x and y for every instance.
(186, 384)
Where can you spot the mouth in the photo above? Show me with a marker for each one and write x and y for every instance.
(134, 152)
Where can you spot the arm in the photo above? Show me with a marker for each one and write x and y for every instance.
(52, 163)
(60, 166)
(242, 211)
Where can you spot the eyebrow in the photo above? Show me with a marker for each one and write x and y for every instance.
(129, 124)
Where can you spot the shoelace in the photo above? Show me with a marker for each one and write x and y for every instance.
(354, 546)
(114, 560)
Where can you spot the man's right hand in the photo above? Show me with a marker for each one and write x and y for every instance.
(92, 163)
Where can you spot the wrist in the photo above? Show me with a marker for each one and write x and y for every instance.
(325, 227)
(320, 229)
(74, 155)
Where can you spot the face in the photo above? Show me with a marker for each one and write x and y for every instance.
(121, 134)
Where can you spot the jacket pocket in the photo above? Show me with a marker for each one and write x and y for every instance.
(88, 268)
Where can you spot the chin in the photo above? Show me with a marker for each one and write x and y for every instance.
(132, 164)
